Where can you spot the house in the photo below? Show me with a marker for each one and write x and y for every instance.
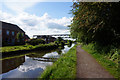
(8, 33)
(27, 38)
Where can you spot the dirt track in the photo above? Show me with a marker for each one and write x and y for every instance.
(88, 67)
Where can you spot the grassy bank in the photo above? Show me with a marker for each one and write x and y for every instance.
(64, 67)
(104, 60)
(27, 47)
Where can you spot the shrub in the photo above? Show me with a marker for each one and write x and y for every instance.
(69, 42)
(36, 42)
(62, 43)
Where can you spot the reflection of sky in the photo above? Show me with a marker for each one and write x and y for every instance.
(33, 68)
(29, 69)
(52, 55)
(18, 74)
(31, 64)
(66, 49)
(55, 54)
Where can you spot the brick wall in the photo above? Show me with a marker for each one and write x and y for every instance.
(10, 39)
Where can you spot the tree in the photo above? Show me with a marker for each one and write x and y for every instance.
(59, 39)
(96, 22)
(20, 38)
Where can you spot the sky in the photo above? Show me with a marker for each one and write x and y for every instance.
(37, 17)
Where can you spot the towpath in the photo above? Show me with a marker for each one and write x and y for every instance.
(88, 67)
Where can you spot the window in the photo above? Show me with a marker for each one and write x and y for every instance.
(13, 33)
(7, 32)
(23, 34)
(0, 32)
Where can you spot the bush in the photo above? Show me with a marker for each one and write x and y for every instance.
(36, 42)
(63, 68)
(62, 43)
(69, 42)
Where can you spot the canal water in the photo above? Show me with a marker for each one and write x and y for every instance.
(31, 65)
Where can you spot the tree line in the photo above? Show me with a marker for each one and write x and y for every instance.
(97, 23)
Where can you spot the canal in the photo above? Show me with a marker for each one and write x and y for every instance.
(31, 65)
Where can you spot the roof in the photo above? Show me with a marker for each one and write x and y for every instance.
(10, 26)
(27, 37)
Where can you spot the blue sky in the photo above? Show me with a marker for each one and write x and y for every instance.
(37, 17)
(54, 9)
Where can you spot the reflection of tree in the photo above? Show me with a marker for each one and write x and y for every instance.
(10, 64)
(69, 43)
(62, 47)
(59, 51)
(39, 54)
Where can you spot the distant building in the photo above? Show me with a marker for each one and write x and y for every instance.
(47, 38)
(8, 33)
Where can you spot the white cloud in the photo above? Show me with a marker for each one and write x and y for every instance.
(16, 6)
(35, 25)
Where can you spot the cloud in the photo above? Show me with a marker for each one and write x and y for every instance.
(35, 25)
(56, 26)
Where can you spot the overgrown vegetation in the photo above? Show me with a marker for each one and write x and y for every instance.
(60, 42)
(64, 67)
(97, 24)
(27, 47)
(20, 39)
(109, 62)
(35, 41)
(69, 43)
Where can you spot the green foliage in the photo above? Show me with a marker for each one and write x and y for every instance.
(56, 42)
(109, 63)
(59, 39)
(96, 22)
(69, 43)
(20, 38)
(62, 43)
(36, 42)
(27, 47)
(64, 67)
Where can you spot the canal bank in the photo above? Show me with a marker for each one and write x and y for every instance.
(18, 50)
(31, 65)
(63, 68)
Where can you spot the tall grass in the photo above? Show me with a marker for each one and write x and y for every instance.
(64, 67)
(26, 47)
(104, 59)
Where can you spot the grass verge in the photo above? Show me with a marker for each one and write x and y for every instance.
(104, 60)
(25, 47)
(64, 67)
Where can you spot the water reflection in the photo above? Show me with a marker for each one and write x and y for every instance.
(59, 50)
(13, 63)
(69, 45)
(31, 65)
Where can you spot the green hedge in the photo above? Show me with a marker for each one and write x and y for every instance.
(35, 41)
(27, 47)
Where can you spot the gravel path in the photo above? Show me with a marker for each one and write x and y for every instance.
(87, 67)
